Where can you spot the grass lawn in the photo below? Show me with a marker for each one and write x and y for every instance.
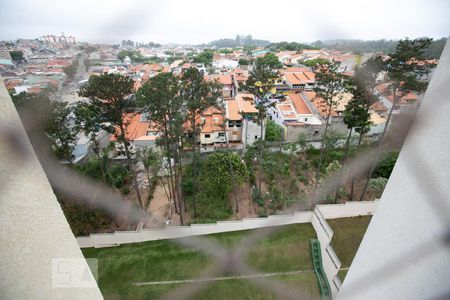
(286, 250)
(348, 234)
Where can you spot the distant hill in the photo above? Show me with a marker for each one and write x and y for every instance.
(239, 41)
(289, 46)
(385, 46)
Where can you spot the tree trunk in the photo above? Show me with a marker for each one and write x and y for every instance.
(169, 163)
(177, 190)
(352, 189)
(347, 148)
(261, 121)
(131, 166)
(96, 150)
(180, 157)
(372, 168)
(322, 149)
(233, 179)
(194, 167)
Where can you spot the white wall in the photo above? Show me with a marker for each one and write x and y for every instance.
(34, 230)
(249, 131)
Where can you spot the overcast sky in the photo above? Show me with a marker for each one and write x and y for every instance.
(195, 21)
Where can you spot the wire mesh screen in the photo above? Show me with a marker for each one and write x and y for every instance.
(231, 263)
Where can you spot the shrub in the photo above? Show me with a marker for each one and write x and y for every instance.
(303, 179)
(386, 165)
(376, 186)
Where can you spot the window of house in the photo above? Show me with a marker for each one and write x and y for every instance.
(256, 137)
(221, 134)
(238, 123)
(230, 123)
(207, 136)
(306, 119)
(316, 132)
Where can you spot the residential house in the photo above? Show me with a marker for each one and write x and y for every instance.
(212, 131)
(241, 120)
(385, 96)
(295, 79)
(141, 133)
(223, 62)
(228, 84)
(295, 116)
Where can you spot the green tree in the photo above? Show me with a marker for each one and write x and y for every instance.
(243, 62)
(367, 77)
(17, 56)
(330, 83)
(274, 132)
(205, 57)
(260, 83)
(386, 165)
(271, 60)
(403, 69)
(216, 175)
(315, 62)
(61, 133)
(88, 120)
(152, 165)
(160, 97)
(356, 116)
(198, 95)
(110, 94)
(71, 70)
(135, 56)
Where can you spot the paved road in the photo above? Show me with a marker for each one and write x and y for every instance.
(68, 93)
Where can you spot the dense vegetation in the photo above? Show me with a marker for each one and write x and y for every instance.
(204, 57)
(290, 46)
(135, 56)
(17, 56)
(220, 174)
(71, 70)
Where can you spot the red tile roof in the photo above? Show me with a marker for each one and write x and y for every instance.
(299, 103)
(320, 104)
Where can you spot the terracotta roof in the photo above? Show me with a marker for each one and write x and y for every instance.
(287, 111)
(296, 70)
(135, 129)
(378, 107)
(223, 79)
(299, 103)
(34, 90)
(320, 104)
(233, 110)
(246, 103)
(293, 79)
(301, 77)
(58, 62)
(242, 104)
(213, 120)
(383, 88)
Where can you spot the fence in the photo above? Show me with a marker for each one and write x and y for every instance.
(329, 211)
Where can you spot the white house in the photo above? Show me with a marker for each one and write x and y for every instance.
(224, 62)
